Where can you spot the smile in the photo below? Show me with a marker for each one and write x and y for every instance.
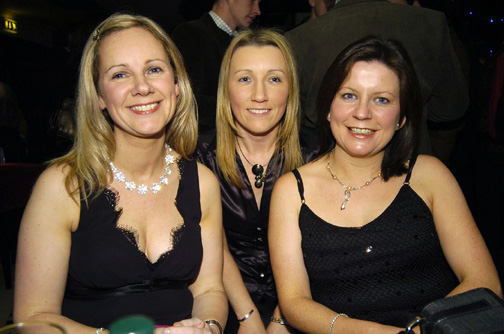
(146, 108)
(359, 131)
(259, 111)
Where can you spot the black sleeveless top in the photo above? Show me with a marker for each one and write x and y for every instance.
(109, 277)
(385, 271)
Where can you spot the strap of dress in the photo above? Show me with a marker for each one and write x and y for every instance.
(410, 168)
(300, 184)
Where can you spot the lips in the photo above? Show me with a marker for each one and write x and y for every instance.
(143, 109)
(360, 131)
(261, 111)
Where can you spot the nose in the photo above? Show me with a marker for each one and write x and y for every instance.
(260, 93)
(362, 111)
(141, 86)
(255, 8)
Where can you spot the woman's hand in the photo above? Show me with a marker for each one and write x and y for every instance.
(276, 328)
(187, 326)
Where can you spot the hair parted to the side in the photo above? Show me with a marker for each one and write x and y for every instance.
(87, 162)
(288, 139)
(393, 55)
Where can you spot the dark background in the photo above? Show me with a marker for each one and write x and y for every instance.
(40, 61)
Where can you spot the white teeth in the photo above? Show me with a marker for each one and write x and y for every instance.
(361, 131)
(146, 107)
(258, 111)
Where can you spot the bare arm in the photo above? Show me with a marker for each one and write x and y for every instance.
(462, 243)
(239, 297)
(209, 298)
(43, 253)
(296, 302)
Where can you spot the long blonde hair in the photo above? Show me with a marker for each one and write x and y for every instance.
(288, 139)
(87, 161)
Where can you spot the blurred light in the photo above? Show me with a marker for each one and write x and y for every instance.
(491, 20)
(10, 26)
(470, 13)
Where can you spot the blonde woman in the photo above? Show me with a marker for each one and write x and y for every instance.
(256, 142)
(126, 222)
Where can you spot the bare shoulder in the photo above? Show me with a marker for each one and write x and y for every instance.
(429, 169)
(209, 187)
(288, 184)
(285, 181)
(52, 181)
(432, 180)
(206, 177)
(50, 201)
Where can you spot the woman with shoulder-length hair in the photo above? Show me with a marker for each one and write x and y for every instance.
(371, 231)
(126, 222)
(256, 142)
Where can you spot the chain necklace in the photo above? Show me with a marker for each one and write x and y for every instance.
(142, 189)
(257, 169)
(348, 189)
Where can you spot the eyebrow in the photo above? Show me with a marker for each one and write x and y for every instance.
(249, 70)
(126, 66)
(354, 90)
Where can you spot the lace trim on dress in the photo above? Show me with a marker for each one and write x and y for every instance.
(130, 233)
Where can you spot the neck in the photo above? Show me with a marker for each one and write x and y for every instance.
(141, 158)
(222, 10)
(257, 149)
(353, 168)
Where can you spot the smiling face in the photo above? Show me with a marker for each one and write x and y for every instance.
(136, 83)
(366, 110)
(258, 89)
(243, 12)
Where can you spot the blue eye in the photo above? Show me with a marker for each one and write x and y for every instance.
(244, 79)
(118, 76)
(275, 79)
(348, 96)
(155, 70)
(382, 100)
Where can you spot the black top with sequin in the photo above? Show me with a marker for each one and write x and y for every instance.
(385, 271)
(109, 277)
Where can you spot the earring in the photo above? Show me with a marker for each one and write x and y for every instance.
(398, 125)
(329, 116)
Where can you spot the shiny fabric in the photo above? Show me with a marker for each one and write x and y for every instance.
(385, 271)
(109, 277)
(246, 226)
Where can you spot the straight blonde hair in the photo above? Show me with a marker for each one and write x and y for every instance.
(87, 161)
(288, 137)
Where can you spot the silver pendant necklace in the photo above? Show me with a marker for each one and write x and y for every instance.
(143, 189)
(348, 189)
(257, 169)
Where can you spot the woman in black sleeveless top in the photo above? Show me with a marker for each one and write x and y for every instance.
(366, 235)
(126, 223)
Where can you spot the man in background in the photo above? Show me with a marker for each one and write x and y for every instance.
(319, 7)
(423, 32)
(203, 43)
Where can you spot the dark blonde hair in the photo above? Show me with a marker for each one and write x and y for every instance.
(288, 138)
(94, 140)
